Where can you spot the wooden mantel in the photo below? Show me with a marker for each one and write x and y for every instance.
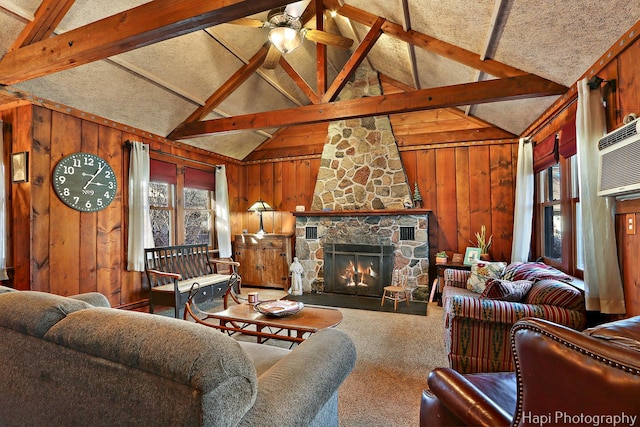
(363, 212)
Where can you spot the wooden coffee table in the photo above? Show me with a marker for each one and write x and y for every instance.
(245, 319)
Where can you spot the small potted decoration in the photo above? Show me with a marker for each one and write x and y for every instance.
(417, 197)
(441, 257)
(483, 242)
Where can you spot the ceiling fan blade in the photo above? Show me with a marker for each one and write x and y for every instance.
(296, 9)
(248, 22)
(328, 38)
(272, 58)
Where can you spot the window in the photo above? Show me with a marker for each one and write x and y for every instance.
(186, 220)
(559, 216)
(161, 210)
(198, 215)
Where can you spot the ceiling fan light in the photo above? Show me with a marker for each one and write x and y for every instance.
(285, 39)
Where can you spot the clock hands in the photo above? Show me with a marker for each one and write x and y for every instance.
(102, 166)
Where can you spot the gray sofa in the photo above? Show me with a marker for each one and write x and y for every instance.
(74, 361)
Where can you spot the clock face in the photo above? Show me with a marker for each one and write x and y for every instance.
(85, 182)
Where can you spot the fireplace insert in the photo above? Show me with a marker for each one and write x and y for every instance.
(357, 269)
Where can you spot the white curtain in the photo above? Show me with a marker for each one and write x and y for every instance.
(223, 226)
(140, 236)
(603, 285)
(3, 213)
(523, 214)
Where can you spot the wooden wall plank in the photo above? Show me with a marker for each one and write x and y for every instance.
(502, 202)
(480, 190)
(21, 202)
(40, 165)
(251, 221)
(64, 237)
(628, 95)
(89, 222)
(446, 215)
(409, 162)
(426, 179)
(463, 189)
(267, 194)
(109, 247)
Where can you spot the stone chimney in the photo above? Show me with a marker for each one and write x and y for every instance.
(361, 168)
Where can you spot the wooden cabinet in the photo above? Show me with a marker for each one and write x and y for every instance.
(264, 260)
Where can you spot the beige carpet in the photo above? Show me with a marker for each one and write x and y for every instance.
(395, 352)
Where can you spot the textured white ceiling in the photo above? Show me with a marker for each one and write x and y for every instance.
(156, 87)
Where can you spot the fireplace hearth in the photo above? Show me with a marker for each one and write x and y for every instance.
(357, 269)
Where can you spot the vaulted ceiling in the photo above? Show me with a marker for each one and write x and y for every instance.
(182, 69)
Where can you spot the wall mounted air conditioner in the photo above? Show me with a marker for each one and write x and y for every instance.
(619, 170)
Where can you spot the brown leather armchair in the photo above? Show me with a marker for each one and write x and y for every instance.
(562, 377)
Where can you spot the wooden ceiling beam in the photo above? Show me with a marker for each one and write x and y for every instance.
(146, 24)
(229, 86)
(321, 52)
(510, 88)
(46, 20)
(354, 61)
(299, 81)
(427, 43)
(482, 134)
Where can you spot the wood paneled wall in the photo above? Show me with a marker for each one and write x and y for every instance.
(465, 185)
(56, 249)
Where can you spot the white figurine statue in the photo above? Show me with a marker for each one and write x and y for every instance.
(296, 271)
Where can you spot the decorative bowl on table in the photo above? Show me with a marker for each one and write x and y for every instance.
(278, 308)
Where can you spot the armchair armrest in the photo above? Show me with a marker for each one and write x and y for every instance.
(224, 262)
(581, 374)
(464, 400)
(456, 278)
(175, 276)
(294, 390)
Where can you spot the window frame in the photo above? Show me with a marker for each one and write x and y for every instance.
(569, 198)
(211, 213)
(176, 205)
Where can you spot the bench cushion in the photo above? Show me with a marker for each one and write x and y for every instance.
(185, 285)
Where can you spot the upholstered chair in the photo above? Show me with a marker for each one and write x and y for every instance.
(562, 377)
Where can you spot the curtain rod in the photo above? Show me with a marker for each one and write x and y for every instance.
(539, 129)
(127, 144)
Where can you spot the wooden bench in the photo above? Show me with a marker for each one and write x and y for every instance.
(172, 270)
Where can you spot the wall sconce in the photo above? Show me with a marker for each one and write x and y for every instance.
(260, 206)
(20, 167)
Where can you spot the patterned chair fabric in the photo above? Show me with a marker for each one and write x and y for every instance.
(477, 330)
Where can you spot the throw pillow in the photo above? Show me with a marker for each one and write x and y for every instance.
(533, 271)
(482, 271)
(556, 293)
(506, 290)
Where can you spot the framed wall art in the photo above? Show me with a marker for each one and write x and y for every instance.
(20, 167)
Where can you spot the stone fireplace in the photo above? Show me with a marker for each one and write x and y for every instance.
(361, 223)
(401, 237)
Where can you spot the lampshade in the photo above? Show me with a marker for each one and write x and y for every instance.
(260, 206)
(285, 39)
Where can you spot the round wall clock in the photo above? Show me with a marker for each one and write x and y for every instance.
(85, 182)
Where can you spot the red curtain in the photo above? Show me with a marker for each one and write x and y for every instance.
(196, 178)
(545, 154)
(567, 144)
(162, 172)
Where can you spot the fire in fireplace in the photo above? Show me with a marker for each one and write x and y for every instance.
(357, 269)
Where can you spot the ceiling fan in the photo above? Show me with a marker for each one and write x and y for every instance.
(287, 31)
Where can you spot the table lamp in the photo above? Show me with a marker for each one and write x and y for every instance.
(260, 206)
